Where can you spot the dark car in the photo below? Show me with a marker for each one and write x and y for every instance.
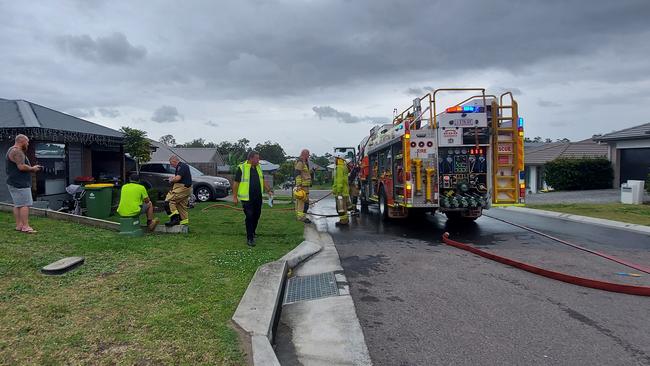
(205, 187)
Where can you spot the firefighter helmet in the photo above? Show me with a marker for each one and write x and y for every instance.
(299, 194)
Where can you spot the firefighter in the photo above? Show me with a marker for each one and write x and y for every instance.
(178, 197)
(354, 188)
(341, 189)
(303, 182)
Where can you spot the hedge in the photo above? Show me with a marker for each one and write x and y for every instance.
(577, 174)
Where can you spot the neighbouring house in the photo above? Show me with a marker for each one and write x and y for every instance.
(67, 147)
(536, 155)
(205, 159)
(629, 152)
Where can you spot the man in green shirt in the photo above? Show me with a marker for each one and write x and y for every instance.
(134, 200)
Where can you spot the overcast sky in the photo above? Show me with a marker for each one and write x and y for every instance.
(321, 73)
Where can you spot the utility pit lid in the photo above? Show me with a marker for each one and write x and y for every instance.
(62, 265)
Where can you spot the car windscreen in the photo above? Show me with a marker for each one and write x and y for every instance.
(195, 172)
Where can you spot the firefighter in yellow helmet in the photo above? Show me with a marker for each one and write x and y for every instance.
(303, 183)
(341, 188)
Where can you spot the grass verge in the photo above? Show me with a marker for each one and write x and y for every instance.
(158, 299)
(633, 214)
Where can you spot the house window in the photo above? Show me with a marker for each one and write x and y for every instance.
(52, 179)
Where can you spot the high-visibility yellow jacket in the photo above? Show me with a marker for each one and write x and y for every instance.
(340, 186)
(243, 193)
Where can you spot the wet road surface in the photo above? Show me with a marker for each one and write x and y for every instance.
(421, 302)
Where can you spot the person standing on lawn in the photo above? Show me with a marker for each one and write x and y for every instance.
(134, 200)
(303, 182)
(178, 197)
(19, 182)
(248, 187)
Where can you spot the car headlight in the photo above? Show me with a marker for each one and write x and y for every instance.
(220, 183)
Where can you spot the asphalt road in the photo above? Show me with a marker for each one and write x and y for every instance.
(421, 302)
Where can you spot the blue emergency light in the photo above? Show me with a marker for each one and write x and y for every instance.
(520, 122)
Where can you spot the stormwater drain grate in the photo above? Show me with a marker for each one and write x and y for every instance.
(310, 287)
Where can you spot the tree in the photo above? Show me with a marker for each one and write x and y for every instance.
(136, 145)
(239, 148)
(200, 142)
(321, 160)
(271, 151)
(168, 140)
(563, 140)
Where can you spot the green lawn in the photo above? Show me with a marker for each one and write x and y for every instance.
(633, 214)
(159, 299)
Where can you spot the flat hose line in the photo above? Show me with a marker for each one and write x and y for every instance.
(580, 281)
(638, 267)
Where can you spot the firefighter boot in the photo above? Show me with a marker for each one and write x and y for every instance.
(174, 220)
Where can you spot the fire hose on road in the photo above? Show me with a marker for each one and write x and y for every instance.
(580, 281)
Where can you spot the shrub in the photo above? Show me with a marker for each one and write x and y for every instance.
(578, 174)
(647, 183)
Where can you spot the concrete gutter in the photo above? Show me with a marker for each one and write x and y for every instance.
(258, 309)
(641, 229)
(323, 331)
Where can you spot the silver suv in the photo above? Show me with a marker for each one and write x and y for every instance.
(205, 187)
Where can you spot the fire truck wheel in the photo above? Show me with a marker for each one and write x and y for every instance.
(383, 205)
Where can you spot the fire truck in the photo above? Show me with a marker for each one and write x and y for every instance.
(458, 161)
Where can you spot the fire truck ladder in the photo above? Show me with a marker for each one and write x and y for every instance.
(505, 156)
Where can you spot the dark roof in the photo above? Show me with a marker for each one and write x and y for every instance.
(25, 114)
(632, 133)
(540, 155)
(200, 154)
(187, 154)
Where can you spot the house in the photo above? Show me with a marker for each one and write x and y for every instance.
(536, 155)
(629, 152)
(205, 159)
(67, 147)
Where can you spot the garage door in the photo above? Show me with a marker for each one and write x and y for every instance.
(635, 164)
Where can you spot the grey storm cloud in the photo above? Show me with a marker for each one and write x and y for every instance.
(212, 124)
(417, 92)
(112, 49)
(285, 51)
(82, 113)
(166, 114)
(109, 112)
(548, 103)
(345, 117)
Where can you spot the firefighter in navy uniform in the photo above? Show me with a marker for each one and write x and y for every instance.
(178, 197)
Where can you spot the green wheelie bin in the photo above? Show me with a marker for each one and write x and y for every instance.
(99, 198)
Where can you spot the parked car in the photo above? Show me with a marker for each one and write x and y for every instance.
(205, 187)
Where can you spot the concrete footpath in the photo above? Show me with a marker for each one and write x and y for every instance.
(323, 330)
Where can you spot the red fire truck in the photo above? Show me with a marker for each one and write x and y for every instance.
(459, 161)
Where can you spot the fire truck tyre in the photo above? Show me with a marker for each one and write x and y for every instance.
(383, 205)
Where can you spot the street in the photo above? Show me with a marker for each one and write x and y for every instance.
(421, 302)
